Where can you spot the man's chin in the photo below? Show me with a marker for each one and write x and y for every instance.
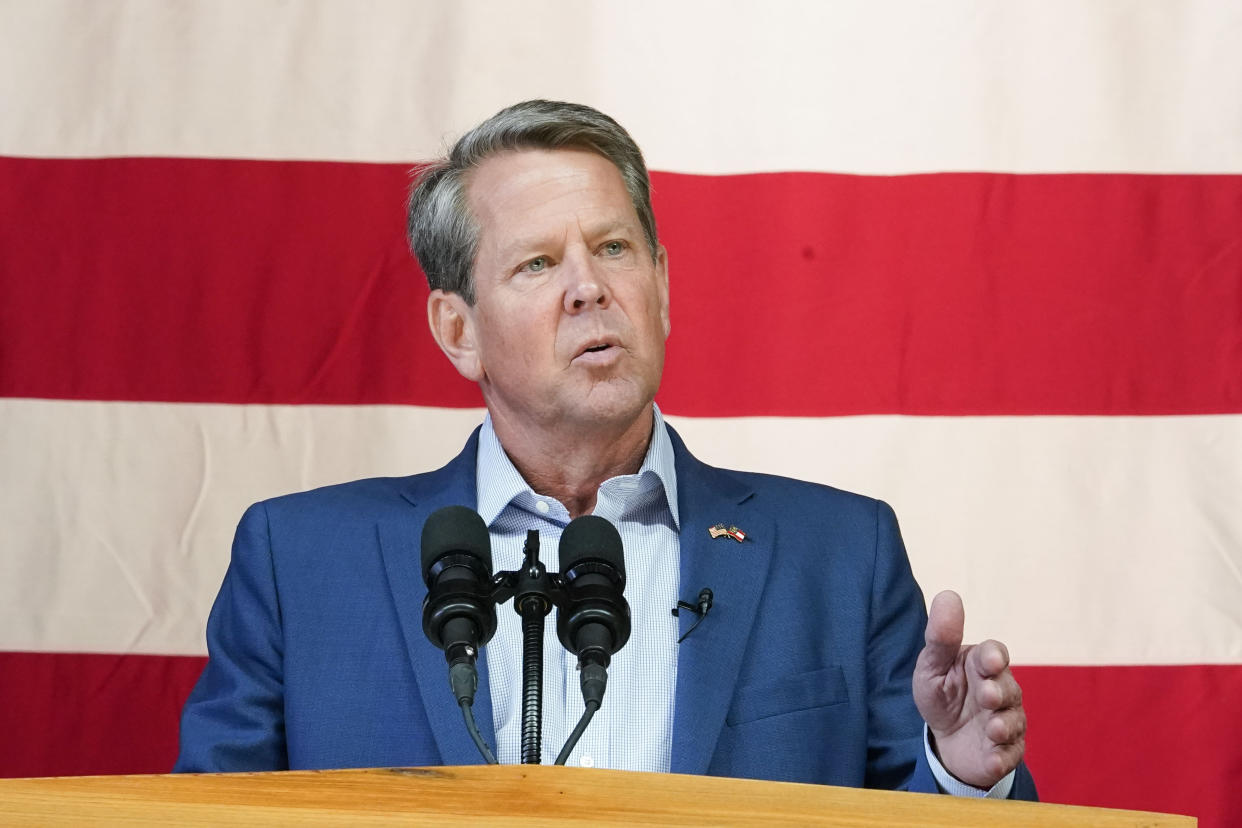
(610, 405)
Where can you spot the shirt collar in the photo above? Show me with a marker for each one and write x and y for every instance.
(499, 481)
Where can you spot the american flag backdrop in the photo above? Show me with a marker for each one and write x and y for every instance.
(980, 259)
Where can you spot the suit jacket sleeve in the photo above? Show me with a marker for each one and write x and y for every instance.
(233, 720)
(896, 620)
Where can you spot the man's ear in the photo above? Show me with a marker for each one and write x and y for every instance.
(453, 326)
(662, 275)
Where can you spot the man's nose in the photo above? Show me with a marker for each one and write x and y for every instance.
(586, 286)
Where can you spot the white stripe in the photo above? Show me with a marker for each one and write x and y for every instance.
(1077, 540)
(118, 517)
(705, 86)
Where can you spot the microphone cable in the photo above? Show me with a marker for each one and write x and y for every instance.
(594, 681)
(579, 729)
(467, 713)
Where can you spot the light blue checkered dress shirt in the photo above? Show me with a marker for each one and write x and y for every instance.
(633, 729)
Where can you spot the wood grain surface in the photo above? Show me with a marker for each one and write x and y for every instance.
(509, 795)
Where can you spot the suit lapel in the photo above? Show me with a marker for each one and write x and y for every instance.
(709, 661)
(399, 544)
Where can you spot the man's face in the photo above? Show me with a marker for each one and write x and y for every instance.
(571, 312)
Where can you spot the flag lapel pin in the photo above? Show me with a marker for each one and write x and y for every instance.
(722, 531)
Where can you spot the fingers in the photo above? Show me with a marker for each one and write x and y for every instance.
(989, 661)
(1007, 732)
(990, 658)
(982, 753)
(1006, 727)
(1002, 759)
(999, 693)
(946, 623)
(946, 620)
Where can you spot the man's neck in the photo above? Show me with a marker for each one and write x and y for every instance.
(569, 465)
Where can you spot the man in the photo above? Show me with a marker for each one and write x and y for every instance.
(550, 290)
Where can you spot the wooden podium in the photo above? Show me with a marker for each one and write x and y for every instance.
(509, 795)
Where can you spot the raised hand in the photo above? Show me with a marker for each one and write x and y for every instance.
(969, 698)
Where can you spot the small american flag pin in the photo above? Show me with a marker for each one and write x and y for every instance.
(722, 531)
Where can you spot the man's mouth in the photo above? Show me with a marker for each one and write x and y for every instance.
(598, 351)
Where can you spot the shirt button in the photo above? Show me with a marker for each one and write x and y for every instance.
(542, 506)
(587, 761)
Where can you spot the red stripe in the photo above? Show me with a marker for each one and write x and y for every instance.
(70, 714)
(970, 293)
(212, 281)
(1147, 738)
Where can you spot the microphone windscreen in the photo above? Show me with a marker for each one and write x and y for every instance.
(590, 537)
(455, 529)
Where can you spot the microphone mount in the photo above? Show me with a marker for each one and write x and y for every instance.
(534, 591)
(593, 620)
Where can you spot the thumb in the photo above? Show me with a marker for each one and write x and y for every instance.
(946, 623)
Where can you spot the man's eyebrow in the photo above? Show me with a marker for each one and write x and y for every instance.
(532, 244)
(609, 227)
(524, 246)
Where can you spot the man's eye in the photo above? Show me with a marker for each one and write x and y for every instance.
(614, 248)
(536, 265)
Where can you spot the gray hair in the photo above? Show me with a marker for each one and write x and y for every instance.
(442, 232)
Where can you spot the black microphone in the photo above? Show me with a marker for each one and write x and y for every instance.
(705, 606)
(594, 620)
(459, 615)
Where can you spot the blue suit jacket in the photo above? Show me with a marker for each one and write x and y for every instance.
(801, 672)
